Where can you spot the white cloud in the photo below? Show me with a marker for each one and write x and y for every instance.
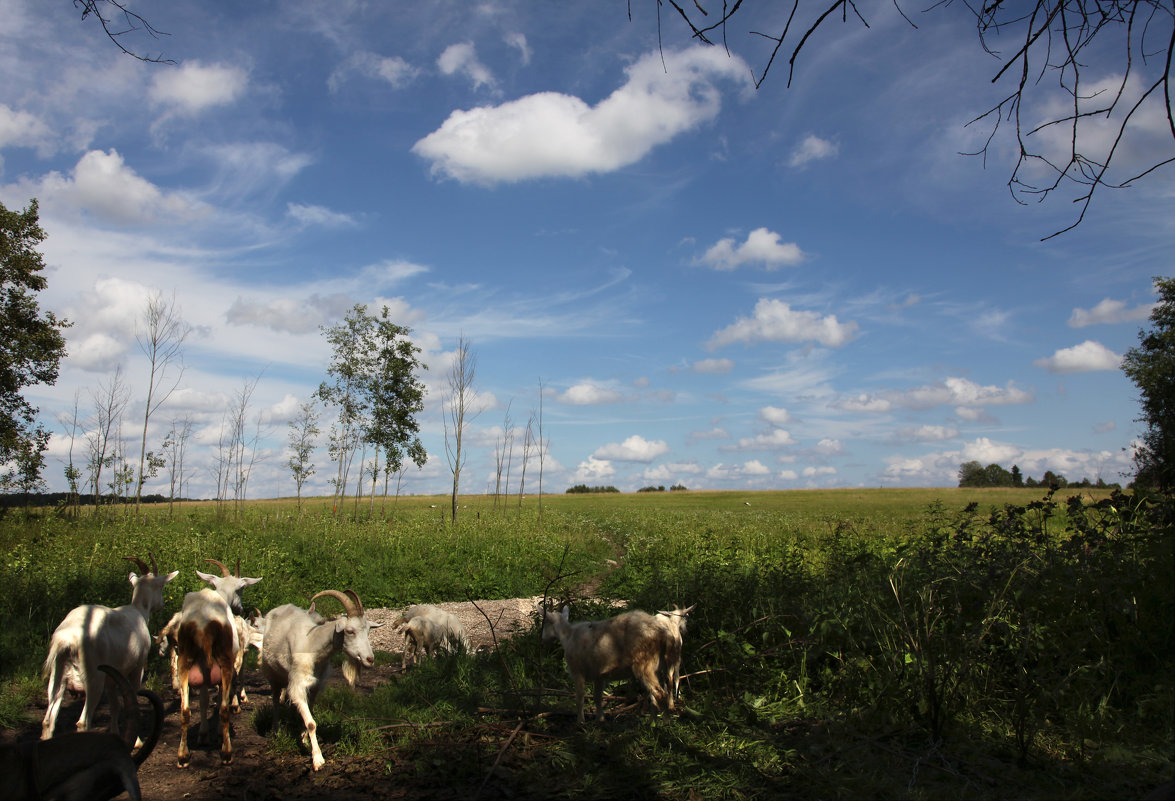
(103, 185)
(712, 434)
(927, 433)
(814, 472)
(288, 314)
(774, 415)
(462, 59)
(593, 470)
(829, 447)
(1109, 311)
(96, 352)
(394, 71)
(1083, 358)
(761, 247)
(193, 87)
(813, 148)
(672, 471)
(587, 394)
(777, 438)
(634, 449)
(738, 472)
(776, 321)
(959, 392)
(713, 366)
(518, 42)
(864, 403)
(556, 135)
(319, 216)
(22, 129)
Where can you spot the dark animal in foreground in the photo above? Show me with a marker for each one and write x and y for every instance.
(83, 766)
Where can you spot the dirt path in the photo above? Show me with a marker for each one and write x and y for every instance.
(255, 774)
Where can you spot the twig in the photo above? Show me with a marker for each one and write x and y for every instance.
(501, 753)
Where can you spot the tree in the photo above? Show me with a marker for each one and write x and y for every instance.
(1017, 477)
(107, 12)
(344, 390)
(972, 474)
(110, 399)
(31, 346)
(457, 411)
(1151, 367)
(161, 340)
(175, 446)
(303, 433)
(1092, 102)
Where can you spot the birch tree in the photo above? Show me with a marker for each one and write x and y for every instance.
(457, 411)
(303, 436)
(161, 340)
(110, 400)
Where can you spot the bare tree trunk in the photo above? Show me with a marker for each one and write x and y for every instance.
(161, 342)
(459, 412)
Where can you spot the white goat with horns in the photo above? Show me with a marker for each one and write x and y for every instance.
(296, 652)
(92, 635)
(229, 587)
(673, 622)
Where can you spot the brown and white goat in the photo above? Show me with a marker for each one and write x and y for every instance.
(92, 635)
(206, 641)
(296, 653)
(603, 650)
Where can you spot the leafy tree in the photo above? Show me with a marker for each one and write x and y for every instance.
(1151, 367)
(1091, 106)
(302, 435)
(1017, 477)
(997, 476)
(972, 474)
(31, 346)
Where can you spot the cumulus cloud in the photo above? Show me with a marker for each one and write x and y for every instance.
(773, 440)
(775, 415)
(816, 472)
(712, 434)
(22, 129)
(927, 433)
(941, 468)
(1083, 358)
(829, 447)
(193, 87)
(518, 42)
(864, 402)
(1109, 311)
(96, 352)
(289, 315)
(813, 148)
(593, 471)
(461, 59)
(394, 71)
(588, 394)
(557, 135)
(634, 449)
(713, 366)
(760, 247)
(960, 392)
(738, 472)
(776, 321)
(672, 471)
(103, 186)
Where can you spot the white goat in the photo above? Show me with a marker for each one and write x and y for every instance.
(92, 635)
(427, 628)
(207, 649)
(603, 650)
(296, 652)
(228, 585)
(673, 622)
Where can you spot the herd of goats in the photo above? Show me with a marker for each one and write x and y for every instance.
(99, 651)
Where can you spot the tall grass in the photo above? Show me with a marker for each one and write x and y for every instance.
(903, 643)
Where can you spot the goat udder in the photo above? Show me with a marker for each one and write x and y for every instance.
(196, 676)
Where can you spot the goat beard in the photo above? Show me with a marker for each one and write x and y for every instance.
(351, 668)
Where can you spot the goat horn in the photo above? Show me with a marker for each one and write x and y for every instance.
(355, 597)
(223, 569)
(154, 567)
(139, 563)
(348, 604)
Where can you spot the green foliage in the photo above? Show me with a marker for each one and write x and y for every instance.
(1151, 367)
(581, 489)
(31, 347)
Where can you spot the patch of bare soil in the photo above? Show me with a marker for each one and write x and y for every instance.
(258, 775)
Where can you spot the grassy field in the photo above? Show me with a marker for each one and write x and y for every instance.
(847, 643)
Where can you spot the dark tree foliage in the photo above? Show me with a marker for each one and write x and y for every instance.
(1070, 66)
(1151, 366)
(31, 346)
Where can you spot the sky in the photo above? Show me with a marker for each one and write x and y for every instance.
(696, 281)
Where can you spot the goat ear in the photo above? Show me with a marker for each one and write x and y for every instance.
(171, 575)
(250, 581)
(687, 611)
(133, 578)
(208, 577)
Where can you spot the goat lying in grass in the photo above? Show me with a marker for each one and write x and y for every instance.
(427, 628)
(83, 766)
(673, 622)
(603, 650)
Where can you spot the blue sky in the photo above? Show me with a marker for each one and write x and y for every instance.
(715, 285)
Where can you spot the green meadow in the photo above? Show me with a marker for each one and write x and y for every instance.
(965, 643)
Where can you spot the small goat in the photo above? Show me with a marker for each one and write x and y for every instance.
(228, 585)
(207, 646)
(673, 622)
(428, 628)
(602, 650)
(92, 635)
(296, 652)
(83, 766)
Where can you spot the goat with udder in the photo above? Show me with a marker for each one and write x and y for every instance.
(92, 635)
(296, 653)
(673, 622)
(84, 766)
(603, 650)
(428, 628)
(207, 650)
(229, 587)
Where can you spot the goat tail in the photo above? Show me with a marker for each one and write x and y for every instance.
(156, 727)
(62, 651)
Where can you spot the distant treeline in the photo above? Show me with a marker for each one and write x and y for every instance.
(974, 474)
(584, 488)
(9, 500)
(661, 488)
